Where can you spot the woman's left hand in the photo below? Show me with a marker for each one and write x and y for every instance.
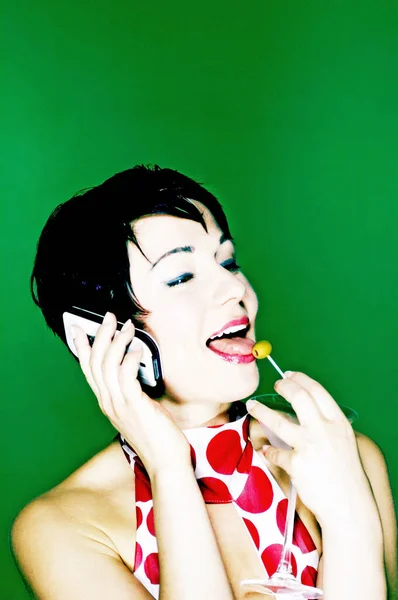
(324, 463)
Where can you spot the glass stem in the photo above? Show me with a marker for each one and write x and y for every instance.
(285, 563)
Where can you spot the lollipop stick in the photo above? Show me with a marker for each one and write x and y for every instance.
(263, 349)
(273, 363)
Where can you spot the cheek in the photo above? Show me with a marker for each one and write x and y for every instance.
(175, 326)
(251, 299)
(182, 361)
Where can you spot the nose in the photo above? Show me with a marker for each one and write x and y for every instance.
(229, 286)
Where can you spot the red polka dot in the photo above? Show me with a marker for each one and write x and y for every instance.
(301, 537)
(245, 463)
(138, 513)
(151, 568)
(257, 495)
(281, 511)
(214, 490)
(253, 532)
(271, 557)
(309, 575)
(138, 556)
(143, 491)
(224, 451)
(193, 456)
(150, 522)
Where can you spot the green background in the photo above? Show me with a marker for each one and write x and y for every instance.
(286, 110)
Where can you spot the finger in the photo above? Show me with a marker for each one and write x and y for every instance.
(83, 349)
(284, 429)
(325, 402)
(103, 339)
(117, 362)
(280, 458)
(304, 405)
(129, 384)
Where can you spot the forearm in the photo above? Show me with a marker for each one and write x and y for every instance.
(189, 559)
(353, 563)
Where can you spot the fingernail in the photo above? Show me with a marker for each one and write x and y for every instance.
(250, 404)
(265, 447)
(126, 325)
(288, 373)
(73, 331)
(107, 318)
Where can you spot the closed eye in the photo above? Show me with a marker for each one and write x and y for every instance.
(181, 279)
(230, 265)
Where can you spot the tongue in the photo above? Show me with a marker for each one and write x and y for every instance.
(242, 346)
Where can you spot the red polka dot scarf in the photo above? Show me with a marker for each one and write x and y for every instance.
(227, 470)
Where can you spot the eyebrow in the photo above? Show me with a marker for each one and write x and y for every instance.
(187, 249)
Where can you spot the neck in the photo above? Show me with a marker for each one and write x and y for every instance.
(191, 414)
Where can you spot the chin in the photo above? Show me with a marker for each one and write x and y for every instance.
(241, 385)
(219, 388)
(210, 381)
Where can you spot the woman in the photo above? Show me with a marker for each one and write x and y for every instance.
(154, 246)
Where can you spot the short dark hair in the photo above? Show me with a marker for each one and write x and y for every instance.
(81, 256)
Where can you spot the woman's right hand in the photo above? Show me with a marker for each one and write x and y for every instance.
(146, 425)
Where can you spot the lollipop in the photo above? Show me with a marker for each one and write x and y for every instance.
(263, 349)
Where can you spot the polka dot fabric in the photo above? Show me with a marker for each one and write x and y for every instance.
(227, 471)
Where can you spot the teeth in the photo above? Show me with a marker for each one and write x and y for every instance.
(230, 330)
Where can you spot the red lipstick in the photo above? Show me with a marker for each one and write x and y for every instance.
(234, 323)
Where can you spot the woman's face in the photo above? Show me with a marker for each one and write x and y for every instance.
(192, 294)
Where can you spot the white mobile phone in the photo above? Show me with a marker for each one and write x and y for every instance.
(150, 370)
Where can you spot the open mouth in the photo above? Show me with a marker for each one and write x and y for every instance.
(232, 343)
(238, 333)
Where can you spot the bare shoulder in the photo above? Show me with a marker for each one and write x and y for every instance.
(375, 467)
(94, 500)
(88, 518)
(368, 448)
(373, 462)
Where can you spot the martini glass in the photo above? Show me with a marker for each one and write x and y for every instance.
(283, 584)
